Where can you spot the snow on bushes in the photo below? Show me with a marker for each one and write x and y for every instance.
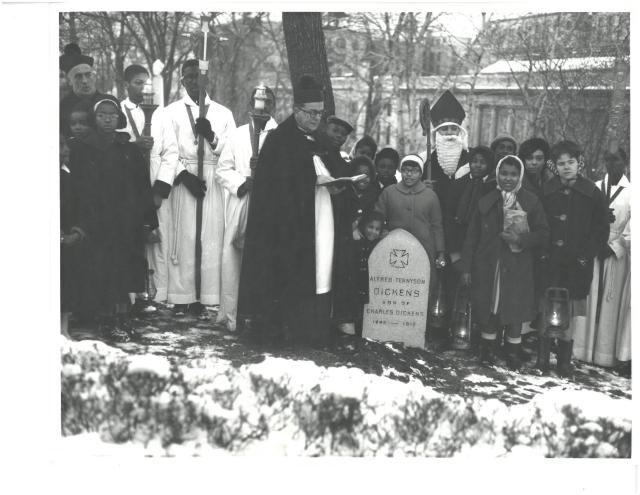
(286, 407)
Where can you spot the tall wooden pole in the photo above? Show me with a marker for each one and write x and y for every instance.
(202, 84)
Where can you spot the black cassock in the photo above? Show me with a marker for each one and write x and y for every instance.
(278, 261)
(114, 202)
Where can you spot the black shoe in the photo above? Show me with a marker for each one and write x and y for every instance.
(513, 356)
(199, 310)
(180, 309)
(544, 354)
(486, 352)
(565, 350)
(112, 331)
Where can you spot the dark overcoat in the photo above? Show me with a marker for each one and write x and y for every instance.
(483, 248)
(464, 195)
(279, 256)
(114, 203)
(578, 219)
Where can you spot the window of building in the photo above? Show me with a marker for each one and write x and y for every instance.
(341, 43)
(355, 45)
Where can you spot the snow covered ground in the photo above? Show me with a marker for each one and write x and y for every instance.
(186, 388)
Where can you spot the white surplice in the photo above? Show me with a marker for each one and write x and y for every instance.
(182, 234)
(163, 159)
(610, 338)
(233, 169)
(138, 118)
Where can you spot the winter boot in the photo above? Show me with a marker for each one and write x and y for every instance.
(486, 351)
(544, 354)
(565, 350)
(513, 356)
(111, 330)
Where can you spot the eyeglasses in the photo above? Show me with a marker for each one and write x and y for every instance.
(313, 113)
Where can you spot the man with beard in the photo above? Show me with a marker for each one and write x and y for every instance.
(287, 266)
(449, 161)
(82, 78)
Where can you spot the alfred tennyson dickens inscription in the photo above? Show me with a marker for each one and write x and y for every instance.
(399, 273)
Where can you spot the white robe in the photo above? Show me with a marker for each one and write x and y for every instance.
(233, 168)
(163, 159)
(182, 234)
(610, 339)
(324, 231)
(138, 118)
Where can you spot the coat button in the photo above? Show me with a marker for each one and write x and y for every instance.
(562, 217)
(559, 243)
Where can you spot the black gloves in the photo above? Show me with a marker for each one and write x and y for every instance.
(196, 186)
(203, 127)
(246, 187)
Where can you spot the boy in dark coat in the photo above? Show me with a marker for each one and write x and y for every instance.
(387, 162)
(534, 153)
(115, 212)
(497, 261)
(579, 220)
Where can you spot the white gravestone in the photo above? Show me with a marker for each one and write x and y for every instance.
(399, 272)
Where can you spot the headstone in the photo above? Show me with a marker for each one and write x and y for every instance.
(399, 272)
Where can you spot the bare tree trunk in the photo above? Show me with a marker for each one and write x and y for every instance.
(73, 35)
(306, 51)
(618, 104)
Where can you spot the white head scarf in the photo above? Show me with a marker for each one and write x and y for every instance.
(509, 198)
(449, 148)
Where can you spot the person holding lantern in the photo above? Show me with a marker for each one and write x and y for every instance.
(135, 77)
(182, 118)
(579, 221)
(235, 173)
(287, 274)
(604, 337)
(507, 225)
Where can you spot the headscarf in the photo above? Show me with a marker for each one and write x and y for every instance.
(509, 198)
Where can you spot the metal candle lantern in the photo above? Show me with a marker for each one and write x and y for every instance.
(556, 311)
(259, 118)
(148, 107)
(438, 302)
(461, 323)
(150, 289)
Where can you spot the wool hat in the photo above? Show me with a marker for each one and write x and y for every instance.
(412, 158)
(447, 109)
(504, 137)
(332, 119)
(307, 90)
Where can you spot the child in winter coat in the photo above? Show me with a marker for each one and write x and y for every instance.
(366, 191)
(115, 212)
(579, 221)
(412, 206)
(387, 162)
(508, 223)
(70, 238)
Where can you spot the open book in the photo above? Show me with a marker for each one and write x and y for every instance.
(324, 180)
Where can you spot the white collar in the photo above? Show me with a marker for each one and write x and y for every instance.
(187, 99)
(623, 182)
(129, 104)
(66, 169)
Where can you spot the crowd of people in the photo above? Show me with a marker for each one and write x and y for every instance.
(285, 247)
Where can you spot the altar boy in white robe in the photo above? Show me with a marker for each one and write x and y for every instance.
(604, 337)
(182, 117)
(234, 174)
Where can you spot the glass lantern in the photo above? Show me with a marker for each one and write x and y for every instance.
(556, 311)
(461, 321)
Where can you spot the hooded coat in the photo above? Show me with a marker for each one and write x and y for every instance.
(483, 247)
